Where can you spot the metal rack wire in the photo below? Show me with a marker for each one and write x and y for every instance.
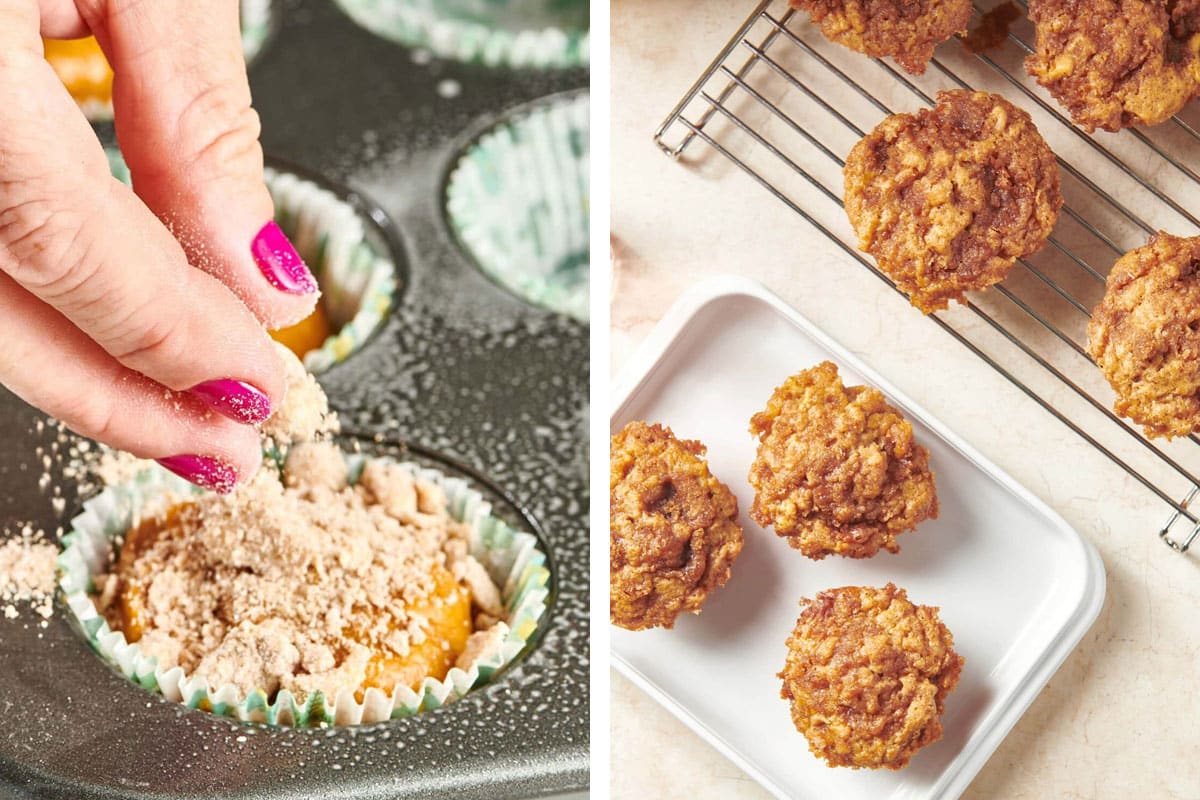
(782, 104)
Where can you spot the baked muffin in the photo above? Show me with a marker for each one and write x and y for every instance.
(673, 528)
(948, 198)
(867, 674)
(837, 470)
(907, 30)
(1145, 335)
(1114, 63)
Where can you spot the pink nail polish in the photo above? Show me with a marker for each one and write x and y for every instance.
(279, 262)
(237, 400)
(208, 473)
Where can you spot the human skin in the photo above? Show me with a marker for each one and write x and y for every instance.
(138, 317)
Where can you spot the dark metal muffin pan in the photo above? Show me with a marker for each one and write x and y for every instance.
(463, 375)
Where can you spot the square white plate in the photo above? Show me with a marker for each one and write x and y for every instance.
(1016, 585)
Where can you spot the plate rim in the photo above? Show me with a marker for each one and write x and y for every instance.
(977, 750)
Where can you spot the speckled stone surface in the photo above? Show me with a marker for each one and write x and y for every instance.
(466, 373)
(1121, 717)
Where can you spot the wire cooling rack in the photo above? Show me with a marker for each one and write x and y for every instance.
(785, 106)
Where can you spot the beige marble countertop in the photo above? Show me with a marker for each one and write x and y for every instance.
(1121, 718)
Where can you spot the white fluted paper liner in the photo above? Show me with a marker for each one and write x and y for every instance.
(522, 34)
(511, 557)
(358, 280)
(518, 201)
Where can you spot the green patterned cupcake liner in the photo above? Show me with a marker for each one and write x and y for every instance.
(257, 23)
(355, 271)
(511, 557)
(517, 200)
(518, 34)
(357, 276)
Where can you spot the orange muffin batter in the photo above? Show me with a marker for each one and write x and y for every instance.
(306, 335)
(83, 69)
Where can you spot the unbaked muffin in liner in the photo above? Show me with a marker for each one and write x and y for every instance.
(512, 558)
(352, 265)
(349, 258)
(257, 23)
(521, 34)
(517, 200)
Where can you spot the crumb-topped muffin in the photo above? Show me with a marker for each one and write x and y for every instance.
(867, 675)
(302, 581)
(837, 471)
(1115, 63)
(1145, 335)
(312, 586)
(948, 198)
(673, 528)
(907, 30)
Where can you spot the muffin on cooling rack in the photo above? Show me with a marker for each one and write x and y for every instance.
(907, 30)
(1145, 335)
(673, 528)
(837, 470)
(1114, 63)
(867, 675)
(948, 198)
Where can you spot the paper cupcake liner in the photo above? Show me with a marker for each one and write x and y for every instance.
(357, 276)
(257, 23)
(517, 199)
(511, 557)
(519, 34)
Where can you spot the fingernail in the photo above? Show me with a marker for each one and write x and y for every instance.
(279, 262)
(237, 400)
(208, 473)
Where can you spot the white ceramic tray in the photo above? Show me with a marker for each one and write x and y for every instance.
(1016, 585)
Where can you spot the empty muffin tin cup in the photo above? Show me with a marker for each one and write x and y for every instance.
(349, 258)
(519, 34)
(517, 201)
(512, 558)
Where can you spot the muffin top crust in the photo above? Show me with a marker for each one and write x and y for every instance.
(1145, 335)
(867, 674)
(673, 528)
(837, 471)
(907, 30)
(947, 199)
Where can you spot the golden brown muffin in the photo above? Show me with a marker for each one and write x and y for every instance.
(837, 471)
(946, 199)
(673, 528)
(907, 30)
(1114, 63)
(1145, 335)
(867, 674)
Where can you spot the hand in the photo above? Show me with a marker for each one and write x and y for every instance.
(137, 316)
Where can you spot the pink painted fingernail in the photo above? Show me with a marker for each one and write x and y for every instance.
(208, 473)
(237, 400)
(279, 262)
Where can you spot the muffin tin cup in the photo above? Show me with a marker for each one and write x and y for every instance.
(517, 202)
(513, 559)
(519, 34)
(354, 268)
(358, 278)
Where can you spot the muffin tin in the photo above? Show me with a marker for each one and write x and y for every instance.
(463, 376)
